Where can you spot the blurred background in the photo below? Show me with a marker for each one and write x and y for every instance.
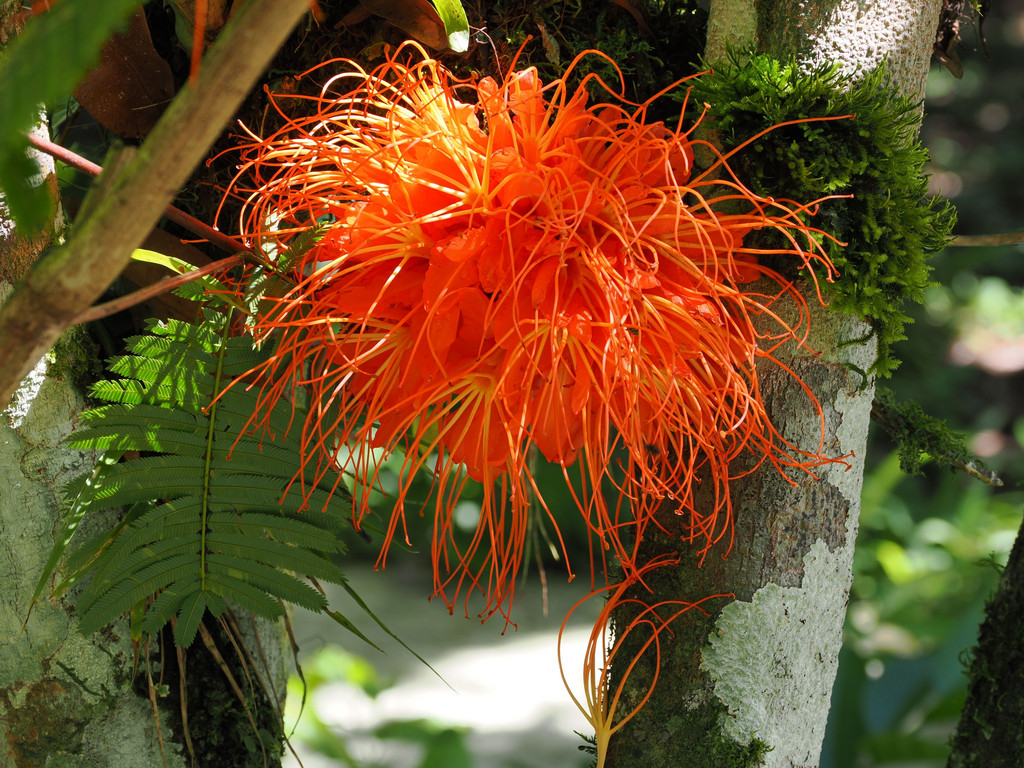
(928, 553)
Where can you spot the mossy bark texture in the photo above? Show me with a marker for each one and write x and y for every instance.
(749, 683)
(65, 699)
(991, 729)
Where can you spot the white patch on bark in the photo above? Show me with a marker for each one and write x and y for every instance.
(26, 394)
(861, 34)
(774, 660)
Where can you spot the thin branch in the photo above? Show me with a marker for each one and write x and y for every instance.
(1010, 238)
(176, 215)
(130, 197)
(121, 303)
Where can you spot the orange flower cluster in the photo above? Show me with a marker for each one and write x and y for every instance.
(506, 267)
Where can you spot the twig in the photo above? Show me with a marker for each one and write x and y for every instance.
(899, 427)
(176, 215)
(1010, 238)
(108, 308)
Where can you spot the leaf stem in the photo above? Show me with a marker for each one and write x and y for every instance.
(210, 438)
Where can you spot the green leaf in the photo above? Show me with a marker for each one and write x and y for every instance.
(40, 65)
(456, 25)
(189, 616)
(360, 602)
(269, 579)
(199, 287)
(69, 525)
(125, 592)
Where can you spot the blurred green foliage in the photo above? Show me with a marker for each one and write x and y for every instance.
(439, 745)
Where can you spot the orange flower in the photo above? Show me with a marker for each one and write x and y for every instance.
(507, 267)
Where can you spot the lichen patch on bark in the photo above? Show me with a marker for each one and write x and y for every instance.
(779, 654)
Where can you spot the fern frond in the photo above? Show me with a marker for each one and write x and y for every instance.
(251, 598)
(139, 437)
(288, 530)
(193, 607)
(129, 590)
(269, 579)
(214, 509)
(266, 550)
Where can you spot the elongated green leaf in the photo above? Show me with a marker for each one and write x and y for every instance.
(343, 621)
(362, 604)
(177, 266)
(456, 25)
(44, 63)
(69, 525)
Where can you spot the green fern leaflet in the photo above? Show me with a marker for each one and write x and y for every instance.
(208, 520)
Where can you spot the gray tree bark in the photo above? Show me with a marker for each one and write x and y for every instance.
(750, 683)
(990, 733)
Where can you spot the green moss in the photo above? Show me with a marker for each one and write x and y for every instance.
(921, 438)
(682, 722)
(691, 737)
(728, 753)
(890, 227)
(750, 755)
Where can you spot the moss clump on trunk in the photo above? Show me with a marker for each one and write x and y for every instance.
(884, 224)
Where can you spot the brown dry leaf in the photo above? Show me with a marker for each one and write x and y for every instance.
(132, 85)
(417, 18)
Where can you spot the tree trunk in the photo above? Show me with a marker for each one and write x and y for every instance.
(991, 729)
(750, 682)
(61, 694)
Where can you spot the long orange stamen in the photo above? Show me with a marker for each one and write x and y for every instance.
(600, 701)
